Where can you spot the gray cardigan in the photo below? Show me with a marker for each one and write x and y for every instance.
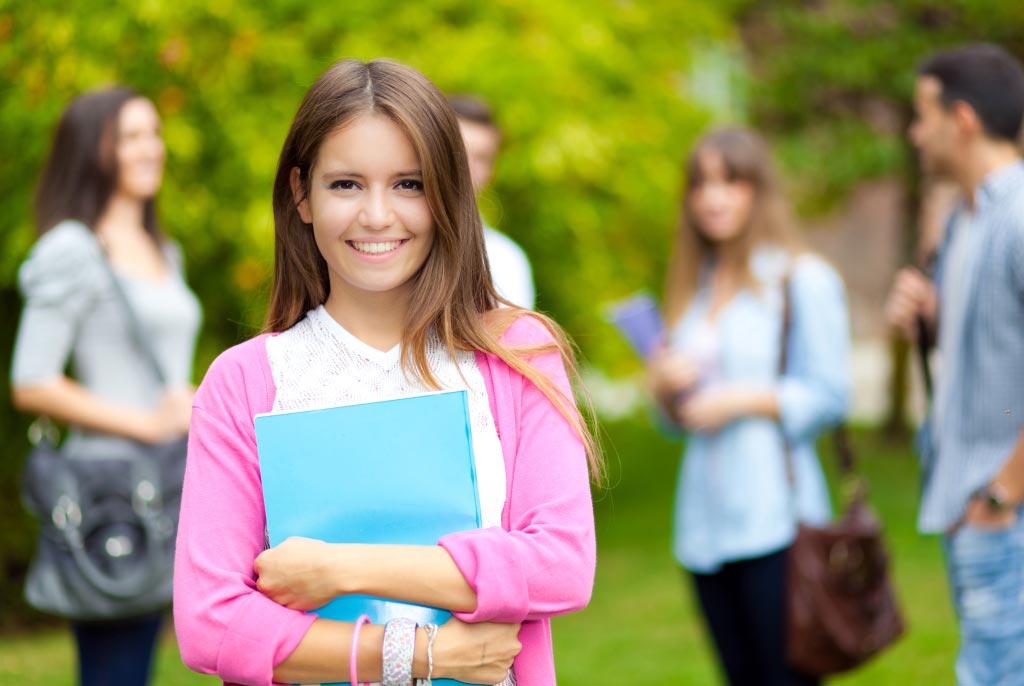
(71, 312)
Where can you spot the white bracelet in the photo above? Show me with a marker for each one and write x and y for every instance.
(431, 630)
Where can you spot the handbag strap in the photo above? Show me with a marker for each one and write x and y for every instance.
(840, 438)
(134, 325)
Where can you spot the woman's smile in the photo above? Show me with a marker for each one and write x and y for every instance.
(377, 248)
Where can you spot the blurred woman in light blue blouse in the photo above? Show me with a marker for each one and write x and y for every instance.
(718, 377)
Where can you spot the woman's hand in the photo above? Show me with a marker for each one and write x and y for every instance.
(710, 409)
(670, 375)
(475, 653)
(299, 573)
(170, 419)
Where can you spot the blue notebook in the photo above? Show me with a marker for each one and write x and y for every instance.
(392, 471)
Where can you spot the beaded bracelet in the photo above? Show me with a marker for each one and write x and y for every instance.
(431, 630)
(399, 647)
(353, 655)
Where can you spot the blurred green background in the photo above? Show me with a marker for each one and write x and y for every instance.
(599, 103)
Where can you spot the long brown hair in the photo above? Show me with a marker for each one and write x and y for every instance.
(80, 174)
(746, 158)
(453, 295)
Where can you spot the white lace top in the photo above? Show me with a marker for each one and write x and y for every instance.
(317, 363)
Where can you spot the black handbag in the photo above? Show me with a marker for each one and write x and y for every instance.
(108, 524)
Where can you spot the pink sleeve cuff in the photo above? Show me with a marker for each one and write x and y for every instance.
(482, 554)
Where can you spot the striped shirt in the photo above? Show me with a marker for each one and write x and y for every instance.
(960, 252)
(979, 399)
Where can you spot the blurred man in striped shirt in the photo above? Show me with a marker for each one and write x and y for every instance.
(969, 106)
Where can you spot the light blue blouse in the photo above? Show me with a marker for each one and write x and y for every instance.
(733, 499)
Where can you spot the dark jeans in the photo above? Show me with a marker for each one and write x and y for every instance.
(744, 606)
(116, 653)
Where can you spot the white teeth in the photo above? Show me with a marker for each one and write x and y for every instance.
(375, 248)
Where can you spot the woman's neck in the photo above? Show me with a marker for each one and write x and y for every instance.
(122, 214)
(377, 319)
(728, 258)
(726, 277)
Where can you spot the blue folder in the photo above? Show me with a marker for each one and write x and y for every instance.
(392, 471)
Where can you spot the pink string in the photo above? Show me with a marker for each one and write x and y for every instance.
(353, 656)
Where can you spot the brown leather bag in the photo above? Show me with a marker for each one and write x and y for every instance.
(840, 606)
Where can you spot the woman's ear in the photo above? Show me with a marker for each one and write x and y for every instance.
(299, 196)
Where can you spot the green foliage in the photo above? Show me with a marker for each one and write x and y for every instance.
(832, 80)
(592, 98)
(588, 96)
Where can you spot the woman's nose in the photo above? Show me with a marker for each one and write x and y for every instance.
(155, 148)
(376, 211)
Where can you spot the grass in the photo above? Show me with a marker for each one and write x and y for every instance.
(48, 659)
(642, 626)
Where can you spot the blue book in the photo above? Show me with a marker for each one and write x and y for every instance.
(392, 471)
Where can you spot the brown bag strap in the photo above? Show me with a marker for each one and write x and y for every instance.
(841, 440)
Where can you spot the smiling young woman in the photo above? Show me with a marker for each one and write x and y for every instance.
(381, 288)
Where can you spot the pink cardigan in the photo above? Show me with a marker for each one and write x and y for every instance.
(539, 564)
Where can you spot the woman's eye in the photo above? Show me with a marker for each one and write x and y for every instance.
(343, 185)
(410, 185)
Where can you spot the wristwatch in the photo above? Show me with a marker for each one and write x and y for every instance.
(994, 497)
